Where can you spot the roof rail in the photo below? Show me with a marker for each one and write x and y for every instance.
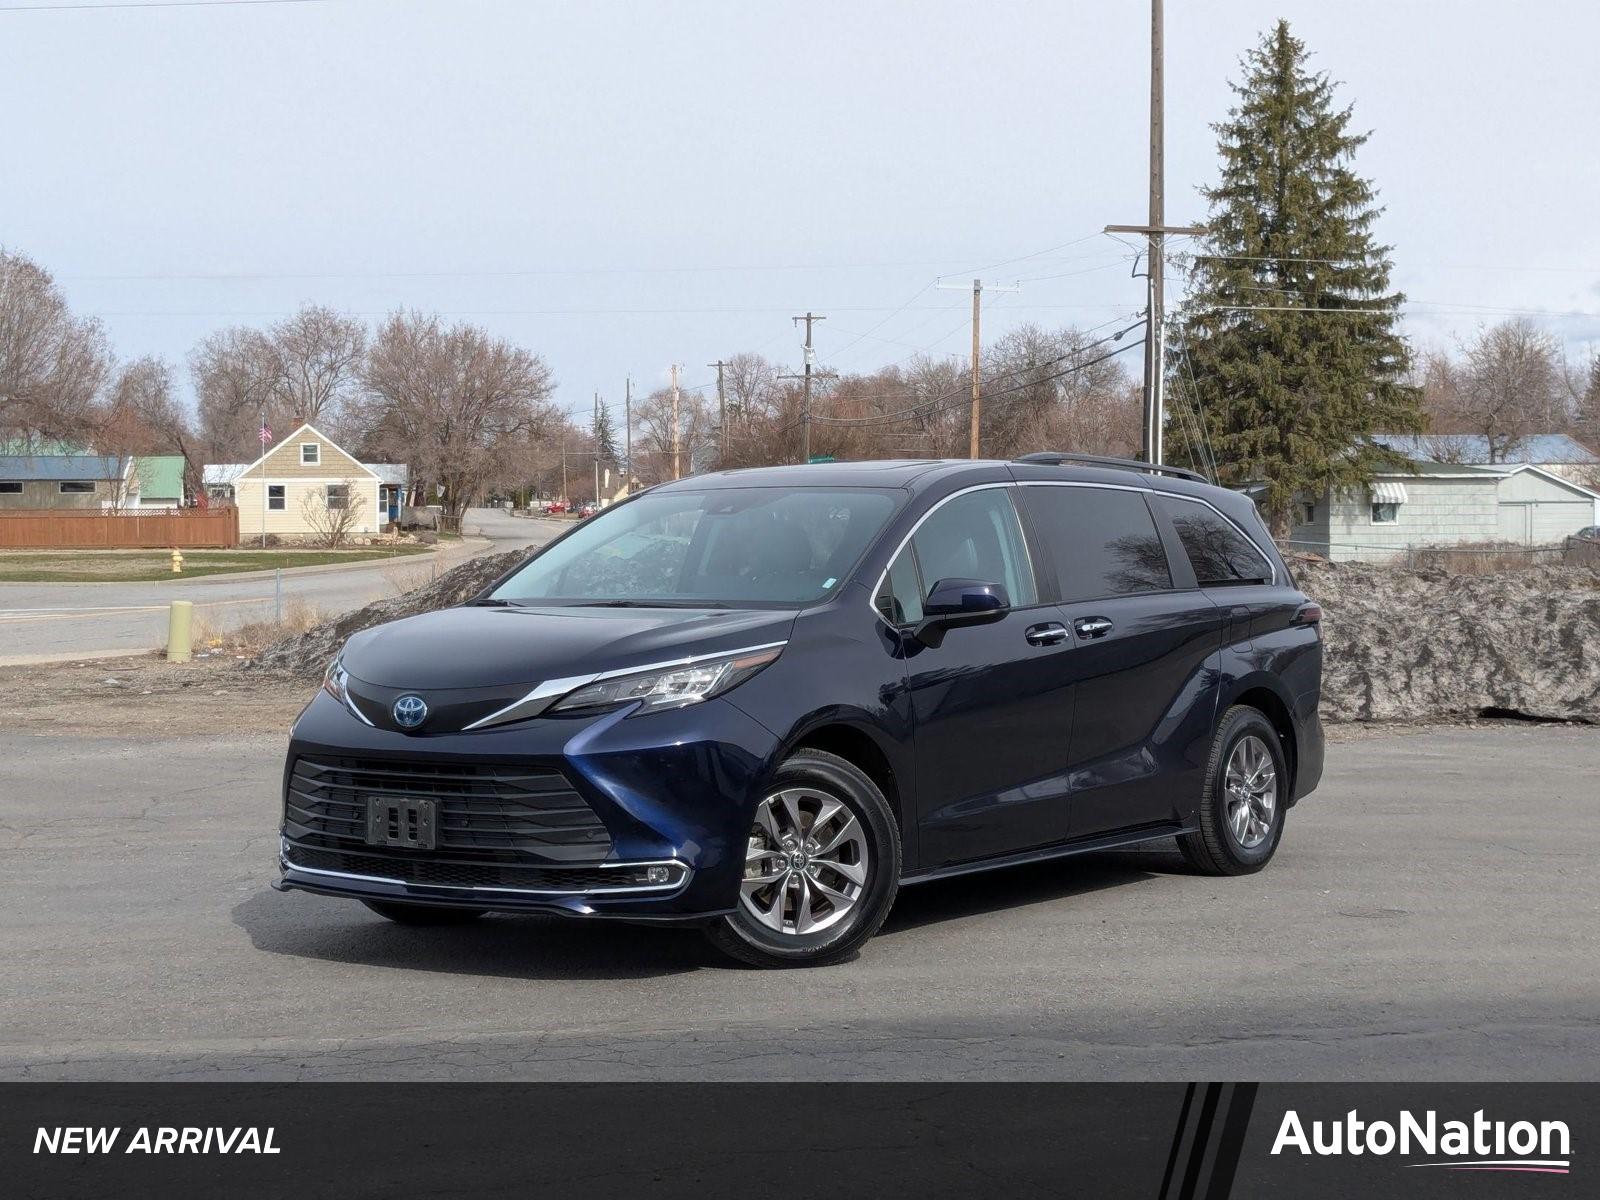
(1056, 458)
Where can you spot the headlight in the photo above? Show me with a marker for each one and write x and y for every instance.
(336, 680)
(668, 687)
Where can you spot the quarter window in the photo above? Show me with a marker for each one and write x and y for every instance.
(1220, 554)
(899, 598)
(310, 454)
(976, 536)
(1103, 540)
(275, 497)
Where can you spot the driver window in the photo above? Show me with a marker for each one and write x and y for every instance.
(977, 536)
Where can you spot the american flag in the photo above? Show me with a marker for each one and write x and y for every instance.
(266, 435)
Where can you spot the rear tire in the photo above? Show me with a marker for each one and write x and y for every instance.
(822, 867)
(402, 913)
(1245, 799)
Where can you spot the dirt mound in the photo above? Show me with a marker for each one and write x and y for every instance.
(1410, 645)
(310, 652)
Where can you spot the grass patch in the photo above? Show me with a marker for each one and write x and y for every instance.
(142, 566)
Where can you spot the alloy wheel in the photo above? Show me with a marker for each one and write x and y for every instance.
(1251, 782)
(807, 862)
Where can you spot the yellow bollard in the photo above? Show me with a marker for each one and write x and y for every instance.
(177, 561)
(179, 620)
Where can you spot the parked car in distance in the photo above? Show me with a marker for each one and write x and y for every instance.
(762, 701)
(553, 507)
(589, 509)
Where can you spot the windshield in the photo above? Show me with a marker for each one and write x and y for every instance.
(724, 547)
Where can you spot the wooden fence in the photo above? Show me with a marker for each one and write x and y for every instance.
(131, 529)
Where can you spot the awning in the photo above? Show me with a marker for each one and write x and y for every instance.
(1388, 491)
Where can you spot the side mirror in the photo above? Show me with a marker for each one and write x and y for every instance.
(957, 602)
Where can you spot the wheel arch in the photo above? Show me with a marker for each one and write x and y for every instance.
(1261, 693)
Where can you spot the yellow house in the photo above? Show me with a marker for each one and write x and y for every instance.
(307, 484)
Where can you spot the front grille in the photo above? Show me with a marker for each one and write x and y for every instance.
(459, 874)
(489, 815)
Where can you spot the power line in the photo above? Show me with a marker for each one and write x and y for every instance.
(943, 400)
(86, 7)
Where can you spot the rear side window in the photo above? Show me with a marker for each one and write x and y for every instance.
(1103, 541)
(1219, 553)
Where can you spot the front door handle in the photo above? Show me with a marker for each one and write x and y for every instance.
(1092, 627)
(1050, 633)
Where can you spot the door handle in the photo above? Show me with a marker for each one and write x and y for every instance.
(1050, 633)
(1092, 627)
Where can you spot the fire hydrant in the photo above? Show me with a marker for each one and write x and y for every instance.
(177, 561)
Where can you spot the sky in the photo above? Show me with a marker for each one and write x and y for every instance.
(621, 186)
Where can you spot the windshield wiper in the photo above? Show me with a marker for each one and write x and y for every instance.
(652, 604)
(498, 602)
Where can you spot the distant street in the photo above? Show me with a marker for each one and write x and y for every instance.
(1430, 917)
(61, 620)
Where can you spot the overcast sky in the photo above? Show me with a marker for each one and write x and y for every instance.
(623, 185)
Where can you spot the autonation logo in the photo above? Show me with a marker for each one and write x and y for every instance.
(1542, 1148)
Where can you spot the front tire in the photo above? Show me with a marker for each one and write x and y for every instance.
(822, 866)
(402, 913)
(1245, 799)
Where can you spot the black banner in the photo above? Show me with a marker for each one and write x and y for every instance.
(809, 1141)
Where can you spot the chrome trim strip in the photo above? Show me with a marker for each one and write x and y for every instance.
(553, 689)
(288, 864)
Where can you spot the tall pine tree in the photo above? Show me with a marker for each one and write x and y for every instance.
(1290, 326)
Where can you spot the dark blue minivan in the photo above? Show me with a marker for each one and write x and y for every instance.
(761, 701)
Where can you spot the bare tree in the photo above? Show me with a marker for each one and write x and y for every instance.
(456, 404)
(52, 364)
(316, 358)
(334, 513)
(1510, 386)
(234, 372)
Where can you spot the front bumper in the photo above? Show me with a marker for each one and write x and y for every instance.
(674, 790)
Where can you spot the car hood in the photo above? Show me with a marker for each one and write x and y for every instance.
(484, 647)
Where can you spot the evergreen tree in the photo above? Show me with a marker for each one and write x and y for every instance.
(605, 439)
(1290, 326)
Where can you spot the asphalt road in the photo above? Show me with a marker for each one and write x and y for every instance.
(42, 621)
(1432, 916)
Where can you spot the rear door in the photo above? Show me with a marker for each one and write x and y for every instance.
(1144, 645)
(992, 703)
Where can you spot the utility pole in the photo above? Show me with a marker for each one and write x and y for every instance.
(722, 416)
(564, 474)
(597, 450)
(627, 434)
(805, 404)
(676, 471)
(977, 352)
(1156, 230)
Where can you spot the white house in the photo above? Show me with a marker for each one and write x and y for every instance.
(1432, 505)
(290, 490)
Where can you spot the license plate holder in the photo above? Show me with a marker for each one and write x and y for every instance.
(405, 822)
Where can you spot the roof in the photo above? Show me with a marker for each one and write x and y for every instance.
(214, 474)
(883, 472)
(389, 472)
(60, 467)
(1474, 448)
(159, 475)
(299, 432)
